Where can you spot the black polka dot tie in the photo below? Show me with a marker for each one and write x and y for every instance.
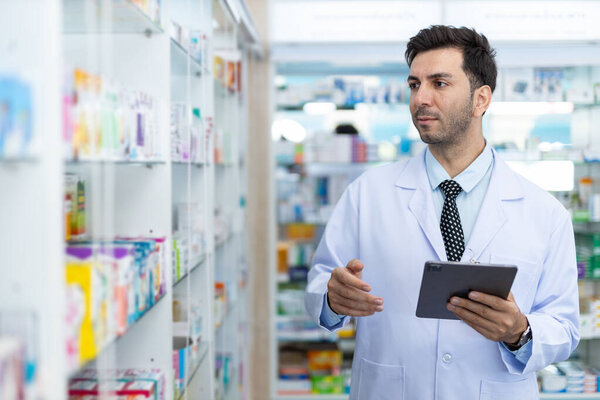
(452, 232)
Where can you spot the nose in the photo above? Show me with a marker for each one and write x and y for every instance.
(422, 96)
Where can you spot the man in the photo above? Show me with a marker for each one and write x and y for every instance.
(394, 218)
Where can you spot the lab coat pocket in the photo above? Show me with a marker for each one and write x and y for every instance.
(524, 389)
(525, 284)
(380, 381)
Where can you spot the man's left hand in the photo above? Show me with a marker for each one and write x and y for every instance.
(495, 318)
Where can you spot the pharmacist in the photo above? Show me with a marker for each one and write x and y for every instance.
(455, 201)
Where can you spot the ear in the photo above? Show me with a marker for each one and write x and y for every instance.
(482, 97)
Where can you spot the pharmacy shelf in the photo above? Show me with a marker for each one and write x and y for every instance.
(229, 313)
(109, 344)
(180, 58)
(586, 227)
(306, 336)
(221, 242)
(18, 160)
(334, 168)
(203, 353)
(195, 265)
(292, 318)
(186, 163)
(119, 16)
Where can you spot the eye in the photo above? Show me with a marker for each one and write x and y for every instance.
(440, 84)
(413, 85)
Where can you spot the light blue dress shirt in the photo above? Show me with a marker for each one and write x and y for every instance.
(474, 181)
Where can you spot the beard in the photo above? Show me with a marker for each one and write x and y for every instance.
(451, 128)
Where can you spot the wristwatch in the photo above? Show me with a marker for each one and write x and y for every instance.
(524, 339)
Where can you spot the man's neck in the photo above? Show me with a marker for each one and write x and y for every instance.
(457, 157)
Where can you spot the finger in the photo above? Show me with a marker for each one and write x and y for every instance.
(480, 309)
(355, 304)
(352, 293)
(345, 277)
(471, 318)
(356, 266)
(343, 310)
(481, 330)
(495, 302)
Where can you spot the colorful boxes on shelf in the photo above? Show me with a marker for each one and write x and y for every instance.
(134, 384)
(103, 121)
(16, 118)
(187, 140)
(110, 285)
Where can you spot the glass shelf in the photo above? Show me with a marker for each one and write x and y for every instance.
(586, 227)
(195, 265)
(116, 162)
(122, 16)
(179, 61)
(203, 353)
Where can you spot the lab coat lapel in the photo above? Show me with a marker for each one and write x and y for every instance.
(414, 177)
(492, 216)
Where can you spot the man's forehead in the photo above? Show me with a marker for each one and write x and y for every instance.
(447, 61)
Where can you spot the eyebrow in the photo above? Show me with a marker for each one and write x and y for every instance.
(432, 76)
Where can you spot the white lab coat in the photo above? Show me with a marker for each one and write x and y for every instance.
(386, 218)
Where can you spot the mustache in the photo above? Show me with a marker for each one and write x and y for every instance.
(423, 112)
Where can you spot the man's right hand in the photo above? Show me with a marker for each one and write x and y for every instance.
(349, 295)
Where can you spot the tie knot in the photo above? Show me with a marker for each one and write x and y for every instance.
(450, 188)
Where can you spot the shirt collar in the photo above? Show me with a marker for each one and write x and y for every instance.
(467, 179)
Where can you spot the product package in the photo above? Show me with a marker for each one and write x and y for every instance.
(16, 118)
(131, 384)
(110, 285)
(103, 121)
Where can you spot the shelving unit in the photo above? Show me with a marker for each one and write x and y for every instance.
(137, 189)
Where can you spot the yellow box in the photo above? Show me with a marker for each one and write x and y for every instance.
(300, 231)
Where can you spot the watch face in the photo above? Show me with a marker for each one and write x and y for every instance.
(525, 337)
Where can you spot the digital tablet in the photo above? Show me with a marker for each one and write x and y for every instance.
(444, 279)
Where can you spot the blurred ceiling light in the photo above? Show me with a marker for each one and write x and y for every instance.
(215, 24)
(372, 81)
(288, 129)
(279, 80)
(547, 146)
(530, 108)
(318, 108)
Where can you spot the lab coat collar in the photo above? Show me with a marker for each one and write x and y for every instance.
(504, 185)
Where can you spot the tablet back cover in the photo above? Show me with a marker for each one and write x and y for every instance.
(442, 280)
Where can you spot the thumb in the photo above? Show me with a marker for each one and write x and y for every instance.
(356, 267)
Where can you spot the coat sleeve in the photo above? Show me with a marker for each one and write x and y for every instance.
(554, 316)
(339, 245)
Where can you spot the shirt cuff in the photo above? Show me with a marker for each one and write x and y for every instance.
(524, 353)
(329, 319)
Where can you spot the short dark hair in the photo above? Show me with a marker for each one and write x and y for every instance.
(478, 56)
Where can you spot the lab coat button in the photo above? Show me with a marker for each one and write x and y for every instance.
(447, 358)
